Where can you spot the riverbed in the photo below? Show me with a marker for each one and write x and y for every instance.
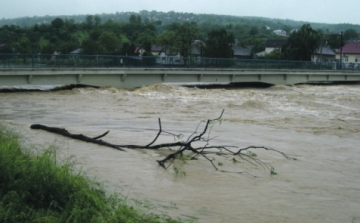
(319, 126)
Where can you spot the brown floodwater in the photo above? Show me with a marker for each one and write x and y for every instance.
(317, 125)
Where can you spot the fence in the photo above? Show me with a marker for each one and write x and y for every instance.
(118, 61)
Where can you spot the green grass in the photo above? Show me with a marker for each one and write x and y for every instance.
(34, 189)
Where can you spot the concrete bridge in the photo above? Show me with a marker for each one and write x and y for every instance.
(137, 77)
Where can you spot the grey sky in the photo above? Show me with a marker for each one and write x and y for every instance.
(325, 11)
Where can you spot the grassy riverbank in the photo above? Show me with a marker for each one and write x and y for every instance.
(35, 189)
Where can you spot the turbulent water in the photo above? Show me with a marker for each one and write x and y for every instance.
(317, 125)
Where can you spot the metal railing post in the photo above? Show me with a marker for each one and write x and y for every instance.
(32, 61)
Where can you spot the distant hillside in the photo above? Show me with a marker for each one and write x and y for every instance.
(170, 17)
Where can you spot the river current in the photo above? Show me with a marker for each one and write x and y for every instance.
(317, 125)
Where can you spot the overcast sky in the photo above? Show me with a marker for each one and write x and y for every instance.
(324, 11)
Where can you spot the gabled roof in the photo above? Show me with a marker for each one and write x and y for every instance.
(275, 43)
(351, 47)
(198, 42)
(261, 54)
(77, 51)
(155, 48)
(137, 49)
(241, 51)
(325, 51)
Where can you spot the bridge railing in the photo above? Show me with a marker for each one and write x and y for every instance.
(120, 61)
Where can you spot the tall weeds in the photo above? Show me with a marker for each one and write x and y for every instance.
(34, 189)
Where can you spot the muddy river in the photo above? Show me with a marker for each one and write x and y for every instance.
(317, 125)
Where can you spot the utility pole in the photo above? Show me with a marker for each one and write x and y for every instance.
(321, 50)
(341, 50)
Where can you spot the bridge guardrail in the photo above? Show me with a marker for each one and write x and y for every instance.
(116, 61)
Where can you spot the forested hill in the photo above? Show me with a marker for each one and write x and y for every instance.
(170, 17)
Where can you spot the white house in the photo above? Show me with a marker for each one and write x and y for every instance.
(280, 32)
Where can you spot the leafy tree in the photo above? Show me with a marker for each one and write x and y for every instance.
(6, 36)
(350, 34)
(133, 19)
(219, 44)
(89, 21)
(301, 44)
(128, 49)
(254, 31)
(147, 47)
(333, 40)
(168, 40)
(57, 23)
(70, 25)
(97, 21)
(23, 45)
(91, 47)
(54, 39)
(48, 49)
(67, 47)
(178, 37)
(5, 48)
(185, 35)
(95, 34)
(274, 55)
(146, 37)
(109, 42)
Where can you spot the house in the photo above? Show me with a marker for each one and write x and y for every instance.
(350, 54)
(139, 50)
(75, 53)
(169, 57)
(323, 54)
(198, 50)
(242, 52)
(157, 50)
(54, 55)
(165, 56)
(274, 44)
(271, 45)
(279, 32)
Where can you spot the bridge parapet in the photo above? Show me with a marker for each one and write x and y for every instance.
(130, 72)
(119, 61)
(138, 77)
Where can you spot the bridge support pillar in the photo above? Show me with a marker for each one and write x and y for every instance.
(29, 80)
(79, 78)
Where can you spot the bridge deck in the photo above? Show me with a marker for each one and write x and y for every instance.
(137, 77)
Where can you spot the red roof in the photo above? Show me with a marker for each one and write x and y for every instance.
(351, 48)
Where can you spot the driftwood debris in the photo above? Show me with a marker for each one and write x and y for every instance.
(181, 147)
(81, 137)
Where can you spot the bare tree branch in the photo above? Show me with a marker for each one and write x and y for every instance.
(182, 146)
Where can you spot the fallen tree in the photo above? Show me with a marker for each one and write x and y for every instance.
(181, 147)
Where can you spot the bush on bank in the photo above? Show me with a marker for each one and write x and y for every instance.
(35, 189)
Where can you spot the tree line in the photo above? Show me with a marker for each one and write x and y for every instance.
(122, 38)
